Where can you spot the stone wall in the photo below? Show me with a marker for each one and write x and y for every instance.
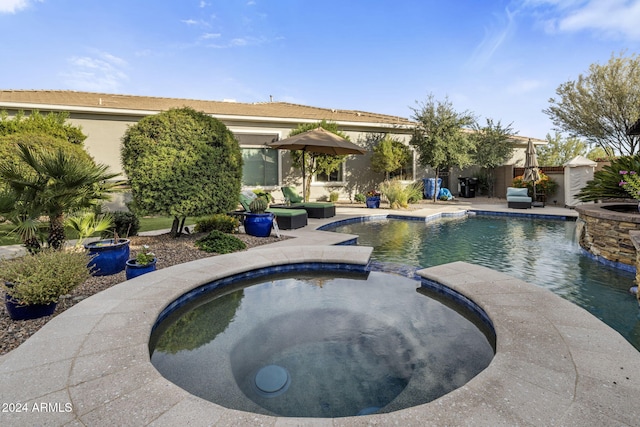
(606, 232)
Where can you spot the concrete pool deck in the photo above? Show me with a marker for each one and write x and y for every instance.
(555, 363)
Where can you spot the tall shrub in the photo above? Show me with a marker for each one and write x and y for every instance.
(181, 163)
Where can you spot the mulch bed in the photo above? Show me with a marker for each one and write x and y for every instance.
(169, 251)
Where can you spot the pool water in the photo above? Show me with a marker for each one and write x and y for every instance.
(541, 252)
(321, 345)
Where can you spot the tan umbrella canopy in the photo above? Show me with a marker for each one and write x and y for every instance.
(531, 170)
(320, 141)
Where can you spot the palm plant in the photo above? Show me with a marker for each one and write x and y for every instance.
(51, 183)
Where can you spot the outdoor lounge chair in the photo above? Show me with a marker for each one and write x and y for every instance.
(314, 209)
(287, 219)
(517, 198)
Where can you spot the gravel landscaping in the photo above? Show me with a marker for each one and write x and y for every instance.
(169, 251)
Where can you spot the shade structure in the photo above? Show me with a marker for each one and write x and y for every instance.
(317, 141)
(531, 170)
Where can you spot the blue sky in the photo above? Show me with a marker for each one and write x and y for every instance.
(498, 59)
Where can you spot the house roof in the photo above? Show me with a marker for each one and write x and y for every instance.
(96, 101)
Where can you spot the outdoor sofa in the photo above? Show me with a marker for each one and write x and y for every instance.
(518, 198)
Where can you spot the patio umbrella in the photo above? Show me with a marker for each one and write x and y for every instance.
(531, 171)
(317, 141)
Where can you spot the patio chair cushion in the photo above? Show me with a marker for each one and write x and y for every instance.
(289, 219)
(291, 194)
(518, 198)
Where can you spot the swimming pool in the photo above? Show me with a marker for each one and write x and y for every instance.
(539, 251)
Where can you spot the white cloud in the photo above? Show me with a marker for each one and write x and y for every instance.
(493, 39)
(608, 18)
(523, 86)
(209, 36)
(102, 73)
(13, 6)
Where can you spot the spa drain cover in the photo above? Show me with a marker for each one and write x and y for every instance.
(272, 380)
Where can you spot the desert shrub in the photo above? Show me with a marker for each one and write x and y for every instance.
(396, 194)
(220, 222)
(359, 198)
(414, 191)
(220, 243)
(333, 196)
(126, 224)
(42, 278)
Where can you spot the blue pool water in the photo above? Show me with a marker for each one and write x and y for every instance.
(541, 252)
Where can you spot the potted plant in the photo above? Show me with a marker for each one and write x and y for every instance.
(34, 283)
(109, 256)
(373, 199)
(144, 262)
(257, 222)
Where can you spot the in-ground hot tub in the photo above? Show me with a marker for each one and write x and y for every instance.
(319, 341)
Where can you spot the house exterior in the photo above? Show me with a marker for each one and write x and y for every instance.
(106, 117)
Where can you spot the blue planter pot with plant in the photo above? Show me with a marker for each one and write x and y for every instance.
(258, 224)
(109, 257)
(144, 262)
(133, 269)
(373, 202)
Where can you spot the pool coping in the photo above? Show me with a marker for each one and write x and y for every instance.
(555, 363)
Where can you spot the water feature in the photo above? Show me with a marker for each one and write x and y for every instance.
(321, 344)
(541, 252)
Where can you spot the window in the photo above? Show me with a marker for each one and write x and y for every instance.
(404, 173)
(337, 176)
(261, 165)
(260, 168)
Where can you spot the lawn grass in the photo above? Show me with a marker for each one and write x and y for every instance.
(146, 224)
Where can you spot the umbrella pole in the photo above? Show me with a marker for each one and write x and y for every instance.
(304, 187)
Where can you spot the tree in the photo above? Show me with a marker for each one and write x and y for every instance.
(493, 147)
(439, 137)
(182, 163)
(50, 183)
(316, 162)
(389, 155)
(602, 105)
(53, 125)
(598, 154)
(559, 151)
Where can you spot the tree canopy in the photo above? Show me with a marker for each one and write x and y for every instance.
(389, 155)
(182, 163)
(54, 125)
(49, 183)
(493, 147)
(559, 150)
(601, 105)
(439, 137)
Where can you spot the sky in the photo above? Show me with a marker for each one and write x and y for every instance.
(498, 59)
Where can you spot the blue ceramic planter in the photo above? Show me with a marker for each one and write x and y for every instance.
(26, 312)
(258, 225)
(108, 257)
(133, 269)
(373, 202)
